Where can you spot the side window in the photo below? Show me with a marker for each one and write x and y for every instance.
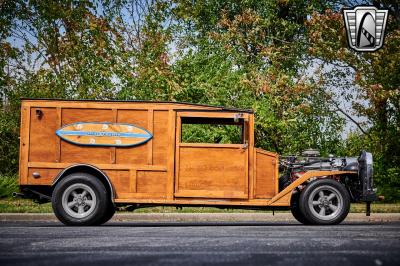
(212, 130)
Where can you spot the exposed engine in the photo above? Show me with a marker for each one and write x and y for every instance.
(359, 184)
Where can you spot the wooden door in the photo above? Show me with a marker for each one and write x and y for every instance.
(205, 169)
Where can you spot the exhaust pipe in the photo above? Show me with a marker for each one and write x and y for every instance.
(18, 195)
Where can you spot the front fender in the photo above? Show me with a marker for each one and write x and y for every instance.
(283, 198)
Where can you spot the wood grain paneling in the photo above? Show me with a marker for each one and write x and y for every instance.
(160, 138)
(171, 154)
(84, 154)
(43, 139)
(151, 182)
(137, 154)
(212, 170)
(24, 144)
(162, 171)
(265, 175)
(46, 176)
(120, 180)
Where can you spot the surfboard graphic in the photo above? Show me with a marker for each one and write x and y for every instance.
(104, 134)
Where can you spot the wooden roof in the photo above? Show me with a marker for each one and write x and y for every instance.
(220, 108)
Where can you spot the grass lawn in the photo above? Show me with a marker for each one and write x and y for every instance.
(12, 205)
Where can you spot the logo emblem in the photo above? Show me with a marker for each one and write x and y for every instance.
(365, 26)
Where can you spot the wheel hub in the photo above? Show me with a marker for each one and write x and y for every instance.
(79, 200)
(325, 202)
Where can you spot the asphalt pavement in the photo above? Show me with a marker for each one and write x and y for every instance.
(199, 243)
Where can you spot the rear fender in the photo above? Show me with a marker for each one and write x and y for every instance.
(89, 169)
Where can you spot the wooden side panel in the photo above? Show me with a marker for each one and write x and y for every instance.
(84, 154)
(251, 156)
(46, 176)
(120, 180)
(171, 154)
(152, 182)
(24, 144)
(221, 172)
(160, 137)
(136, 155)
(265, 175)
(43, 144)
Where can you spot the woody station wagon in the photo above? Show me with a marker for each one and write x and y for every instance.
(87, 157)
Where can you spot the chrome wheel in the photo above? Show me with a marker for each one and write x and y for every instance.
(325, 202)
(79, 200)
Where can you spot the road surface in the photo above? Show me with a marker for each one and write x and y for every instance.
(199, 243)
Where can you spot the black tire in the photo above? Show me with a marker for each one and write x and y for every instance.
(325, 202)
(71, 204)
(295, 209)
(284, 181)
(108, 215)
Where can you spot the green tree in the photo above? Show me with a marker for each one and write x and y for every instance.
(288, 60)
(376, 85)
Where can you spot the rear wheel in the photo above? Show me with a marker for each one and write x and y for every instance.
(324, 202)
(108, 214)
(80, 199)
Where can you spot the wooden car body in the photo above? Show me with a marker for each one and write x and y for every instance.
(158, 168)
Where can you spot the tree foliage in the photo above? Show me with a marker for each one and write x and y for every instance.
(376, 95)
(288, 60)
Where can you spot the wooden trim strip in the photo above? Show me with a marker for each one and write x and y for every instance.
(121, 105)
(151, 199)
(178, 132)
(254, 173)
(246, 174)
(24, 144)
(150, 128)
(273, 154)
(252, 159)
(133, 180)
(211, 145)
(100, 166)
(211, 194)
(171, 154)
(113, 150)
(220, 114)
(141, 195)
(58, 140)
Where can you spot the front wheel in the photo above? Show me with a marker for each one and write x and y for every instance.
(295, 209)
(325, 202)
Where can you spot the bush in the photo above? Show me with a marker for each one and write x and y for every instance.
(8, 185)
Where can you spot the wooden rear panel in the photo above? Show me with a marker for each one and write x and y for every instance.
(135, 172)
(43, 124)
(265, 176)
